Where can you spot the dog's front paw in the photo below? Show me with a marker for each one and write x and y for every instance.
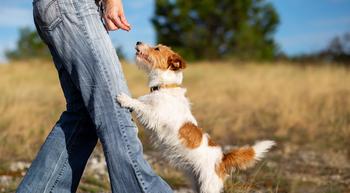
(124, 100)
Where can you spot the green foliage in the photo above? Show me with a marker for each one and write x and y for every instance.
(210, 29)
(120, 52)
(29, 45)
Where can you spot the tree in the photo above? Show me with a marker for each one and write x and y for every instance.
(29, 45)
(211, 29)
(338, 49)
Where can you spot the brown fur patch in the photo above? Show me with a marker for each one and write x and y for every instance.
(190, 135)
(238, 158)
(161, 57)
(211, 142)
(175, 62)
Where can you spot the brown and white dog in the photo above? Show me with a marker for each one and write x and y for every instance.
(166, 113)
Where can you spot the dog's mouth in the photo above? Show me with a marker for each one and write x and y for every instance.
(139, 52)
(142, 55)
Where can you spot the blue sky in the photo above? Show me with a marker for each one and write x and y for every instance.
(306, 25)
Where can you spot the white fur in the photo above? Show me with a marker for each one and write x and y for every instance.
(157, 77)
(163, 112)
(261, 147)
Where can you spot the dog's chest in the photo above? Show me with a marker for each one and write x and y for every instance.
(166, 104)
(167, 112)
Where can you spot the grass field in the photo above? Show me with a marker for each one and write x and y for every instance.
(306, 109)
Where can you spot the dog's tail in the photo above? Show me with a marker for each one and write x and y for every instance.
(244, 157)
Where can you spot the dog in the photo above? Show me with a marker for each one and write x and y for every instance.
(166, 113)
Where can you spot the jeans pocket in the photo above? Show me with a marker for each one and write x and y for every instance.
(47, 14)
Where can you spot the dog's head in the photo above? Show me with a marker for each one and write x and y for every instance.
(159, 57)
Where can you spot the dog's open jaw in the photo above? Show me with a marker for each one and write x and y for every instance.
(163, 65)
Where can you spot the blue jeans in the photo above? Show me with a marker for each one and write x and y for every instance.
(91, 77)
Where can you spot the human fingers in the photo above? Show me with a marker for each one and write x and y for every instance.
(125, 21)
(109, 24)
(122, 15)
(117, 22)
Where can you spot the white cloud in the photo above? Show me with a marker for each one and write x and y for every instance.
(15, 17)
(307, 42)
(330, 22)
(11, 18)
(311, 38)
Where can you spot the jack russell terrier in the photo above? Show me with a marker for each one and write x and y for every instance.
(166, 113)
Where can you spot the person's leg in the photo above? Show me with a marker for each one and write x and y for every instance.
(78, 38)
(62, 158)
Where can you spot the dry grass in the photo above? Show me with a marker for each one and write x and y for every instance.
(30, 103)
(251, 101)
(300, 107)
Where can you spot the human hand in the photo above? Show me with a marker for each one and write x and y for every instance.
(114, 15)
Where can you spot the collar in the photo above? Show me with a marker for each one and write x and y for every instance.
(158, 87)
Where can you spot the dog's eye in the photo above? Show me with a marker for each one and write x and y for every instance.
(156, 49)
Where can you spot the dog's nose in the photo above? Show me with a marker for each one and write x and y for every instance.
(138, 43)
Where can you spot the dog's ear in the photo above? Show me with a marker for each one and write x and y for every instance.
(175, 62)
